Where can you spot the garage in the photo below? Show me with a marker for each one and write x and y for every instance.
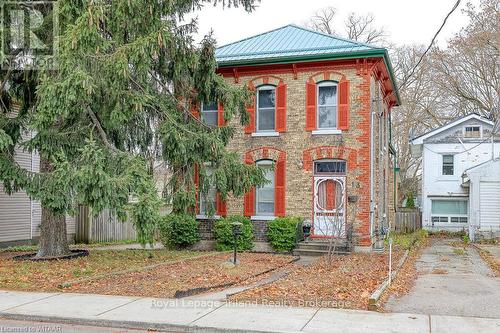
(484, 200)
(489, 205)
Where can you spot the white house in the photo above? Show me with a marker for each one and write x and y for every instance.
(447, 153)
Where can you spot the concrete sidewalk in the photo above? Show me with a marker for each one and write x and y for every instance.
(211, 316)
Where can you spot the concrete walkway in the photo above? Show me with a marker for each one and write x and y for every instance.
(212, 316)
(451, 281)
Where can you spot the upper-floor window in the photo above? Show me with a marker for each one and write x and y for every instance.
(210, 114)
(264, 195)
(472, 132)
(266, 108)
(448, 165)
(327, 105)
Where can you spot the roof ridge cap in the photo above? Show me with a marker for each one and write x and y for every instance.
(336, 37)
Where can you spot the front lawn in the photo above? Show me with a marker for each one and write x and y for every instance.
(348, 282)
(47, 275)
(202, 273)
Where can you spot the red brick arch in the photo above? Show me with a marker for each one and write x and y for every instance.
(264, 153)
(265, 79)
(316, 153)
(325, 76)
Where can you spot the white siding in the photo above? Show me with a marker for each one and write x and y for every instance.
(15, 210)
(489, 193)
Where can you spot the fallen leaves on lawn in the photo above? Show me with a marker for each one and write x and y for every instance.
(164, 281)
(47, 275)
(349, 280)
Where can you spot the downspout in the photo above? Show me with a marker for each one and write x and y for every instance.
(372, 163)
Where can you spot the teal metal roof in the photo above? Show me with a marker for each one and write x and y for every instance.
(290, 41)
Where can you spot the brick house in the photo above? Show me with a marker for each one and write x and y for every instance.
(321, 117)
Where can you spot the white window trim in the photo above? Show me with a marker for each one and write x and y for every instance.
(265, 133)
(480, 132)
(449, 216)
(262, 218)
(326, 129)
(264, 162)
(442, 165)
(216, 111)
(264, 87)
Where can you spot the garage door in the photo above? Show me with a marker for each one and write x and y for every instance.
(489, 204)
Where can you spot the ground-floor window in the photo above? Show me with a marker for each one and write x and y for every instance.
(449, 211)
(264, 195)
(207, 201)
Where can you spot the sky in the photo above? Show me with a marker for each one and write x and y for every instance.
(407, 22)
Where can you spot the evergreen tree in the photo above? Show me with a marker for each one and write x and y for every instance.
(128, 74)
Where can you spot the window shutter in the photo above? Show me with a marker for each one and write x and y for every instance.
(279, 187)
(249, 198)
(221, 205)
(195, 110)
(281, 107)
(250, 128)
(343, 102)
(196, 188)
(249, 203)
(311, 101)
(220, 115)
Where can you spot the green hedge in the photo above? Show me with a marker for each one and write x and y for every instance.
(282, 233)
(178, 231)
(223, 232)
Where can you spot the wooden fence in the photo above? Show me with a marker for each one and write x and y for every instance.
(408, 220)
(104, 227)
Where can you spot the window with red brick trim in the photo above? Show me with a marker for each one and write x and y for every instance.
(254, 196)
(211, 199)
(313, 108)
(267, 111)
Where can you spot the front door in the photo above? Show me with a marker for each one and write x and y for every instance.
(329, 206)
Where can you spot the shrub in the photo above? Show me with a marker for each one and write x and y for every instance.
(282, 233)
(178, 231)
(223, 232)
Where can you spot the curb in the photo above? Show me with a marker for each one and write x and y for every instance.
(374, 298)
(140, 325)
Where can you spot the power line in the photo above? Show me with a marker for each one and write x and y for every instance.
(405, 81)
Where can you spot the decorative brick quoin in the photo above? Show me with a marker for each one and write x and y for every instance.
(319, 126)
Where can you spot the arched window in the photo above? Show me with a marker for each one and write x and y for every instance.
(266, 108)
(327, 105)
(264, 195)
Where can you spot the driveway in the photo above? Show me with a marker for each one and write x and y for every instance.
(451, 281)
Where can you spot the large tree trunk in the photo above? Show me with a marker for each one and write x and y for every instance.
(53, 239)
